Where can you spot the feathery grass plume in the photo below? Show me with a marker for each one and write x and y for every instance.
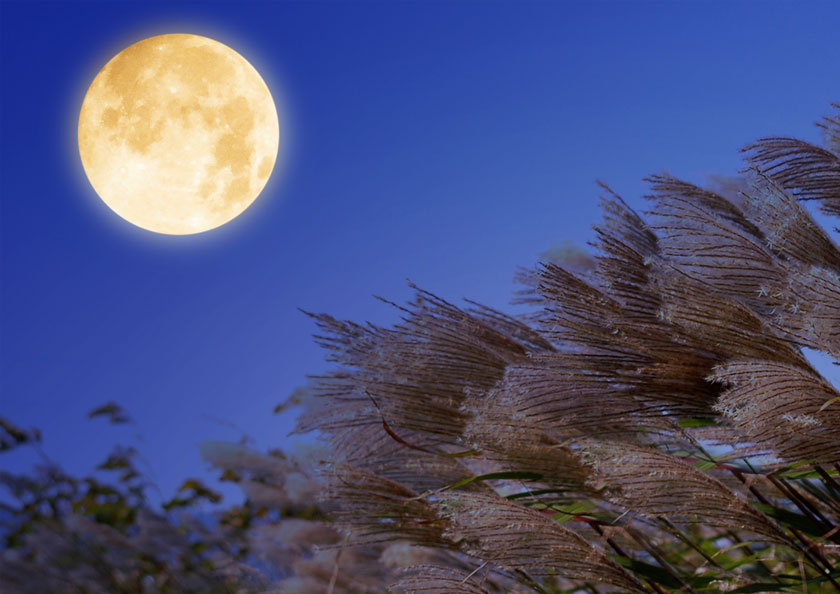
(377, 510)
(791, 410)
(514, 537)
(650, 424)
(430, 579)
(810, 172)
(437, 580)
(655, 484)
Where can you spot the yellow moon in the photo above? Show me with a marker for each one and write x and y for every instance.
(178, 134)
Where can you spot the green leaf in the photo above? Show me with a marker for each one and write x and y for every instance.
(526, 476)
(744, 560)
(117, 460)
(295, 398)
(567, 512)
(199, 491)
(791, 519)
(648, 571)
(177, 502)
(464, 454)
(705, 465)
(771, 587)
(534, 493)
(799, 475)
(12, 436)
(829, 402)
(697, 422)
(114, 412)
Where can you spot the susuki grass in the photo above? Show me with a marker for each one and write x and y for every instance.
(652, 424)
(649, 423)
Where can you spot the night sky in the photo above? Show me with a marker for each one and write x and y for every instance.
(442, 142)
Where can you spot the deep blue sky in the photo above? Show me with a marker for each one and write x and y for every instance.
(447, 143)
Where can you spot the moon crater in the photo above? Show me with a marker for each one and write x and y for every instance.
(178, 134)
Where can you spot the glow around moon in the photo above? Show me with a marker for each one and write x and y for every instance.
(178, 134)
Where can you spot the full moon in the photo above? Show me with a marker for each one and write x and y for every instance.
(178, 134)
